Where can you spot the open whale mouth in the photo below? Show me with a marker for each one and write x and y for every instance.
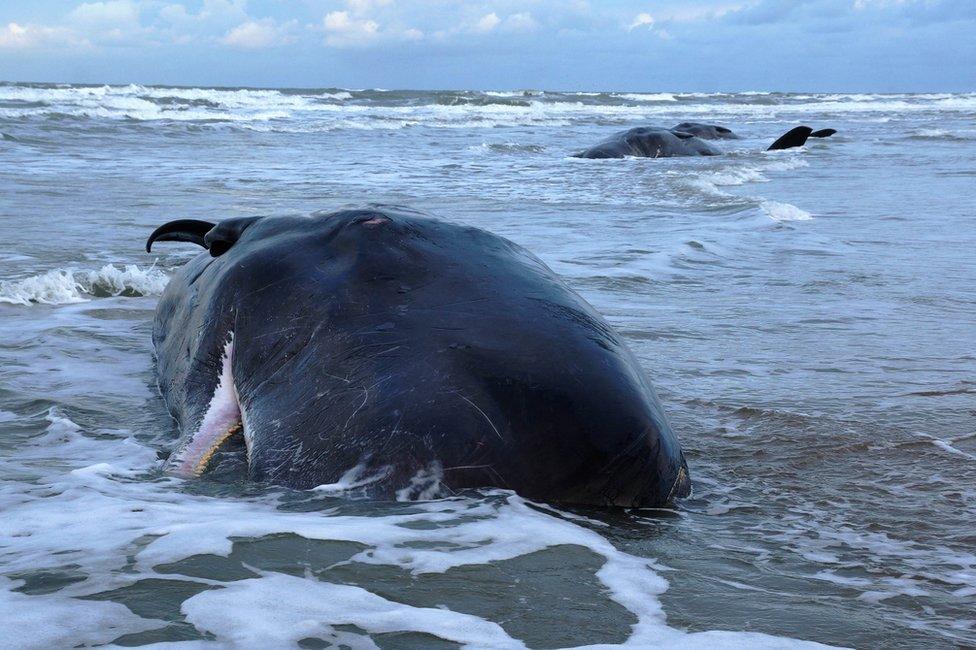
(222, 425)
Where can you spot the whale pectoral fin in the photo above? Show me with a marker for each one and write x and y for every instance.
(684, 135)
(189, 230)
(793, 138)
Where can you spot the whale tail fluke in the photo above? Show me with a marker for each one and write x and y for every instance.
(823, 133)
(792, 138)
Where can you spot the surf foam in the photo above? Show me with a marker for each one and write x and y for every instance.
(71, 285)
(784, 211)
(115, 522)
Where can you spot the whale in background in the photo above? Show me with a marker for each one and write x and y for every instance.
(706, 131)
(685, 139)
(650, 142)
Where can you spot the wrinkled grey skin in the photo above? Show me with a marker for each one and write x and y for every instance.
(412, 348)
(706, 131)
(650, 142)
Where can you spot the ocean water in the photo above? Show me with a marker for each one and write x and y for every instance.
(808, 317)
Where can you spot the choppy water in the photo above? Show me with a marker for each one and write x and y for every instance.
(808, 316)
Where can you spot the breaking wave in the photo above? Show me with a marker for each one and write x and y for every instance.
(784, 211)
(328, 109)
(69, 285)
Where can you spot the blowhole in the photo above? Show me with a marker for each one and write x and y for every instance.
(373, 222)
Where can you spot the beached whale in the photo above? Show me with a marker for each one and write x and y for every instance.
(650, 142)
(685, 139)
(706, 131)
(384, 348)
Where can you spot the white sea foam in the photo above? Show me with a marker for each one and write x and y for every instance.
(342, 95)
(735, 176)
(54, 620)
(784, 211)
(649, 97)
(330, 110)
(946, 446)
(307, 608)
(71, 285)
(90, 513)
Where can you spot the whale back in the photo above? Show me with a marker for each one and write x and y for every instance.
(405, 346)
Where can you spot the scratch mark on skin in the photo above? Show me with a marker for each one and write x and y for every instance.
(389, 439)
(360, 408)
(276, 332)
(365, 390)
(489, 468)
(483, 414)
(264, 287)
(327, 374)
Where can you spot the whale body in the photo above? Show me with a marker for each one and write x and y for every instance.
(406, 355)
(650, 142)
(685, 139)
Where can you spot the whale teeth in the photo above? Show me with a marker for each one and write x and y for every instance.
(204, 461)
(221, 421)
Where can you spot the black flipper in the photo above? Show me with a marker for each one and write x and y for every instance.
(215, 237)
(189, 230)
(823, 133)
(792, 138)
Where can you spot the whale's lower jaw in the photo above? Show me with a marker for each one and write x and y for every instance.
(223, 420)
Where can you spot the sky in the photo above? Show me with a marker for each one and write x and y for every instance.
(623, 45)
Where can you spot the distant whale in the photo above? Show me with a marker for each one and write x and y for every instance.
(650, 142)
(796, 137)
(685, 139)
(706, 131)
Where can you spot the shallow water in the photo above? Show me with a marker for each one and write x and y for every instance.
(806, 315)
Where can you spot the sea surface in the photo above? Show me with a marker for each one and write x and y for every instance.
(808, 317)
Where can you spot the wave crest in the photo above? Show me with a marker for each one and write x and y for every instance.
(69, 285)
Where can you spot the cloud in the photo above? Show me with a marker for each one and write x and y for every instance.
(573, 43)
(214, 19)
(113, 22)
(256, 34)
(487, 23)
(364, 6)
(359, 25)
(641, 20)
(698, 13)
(521, 22)
(344, 30)
(518, 22)
(100, 15)
(14, 36)
(412, 34)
